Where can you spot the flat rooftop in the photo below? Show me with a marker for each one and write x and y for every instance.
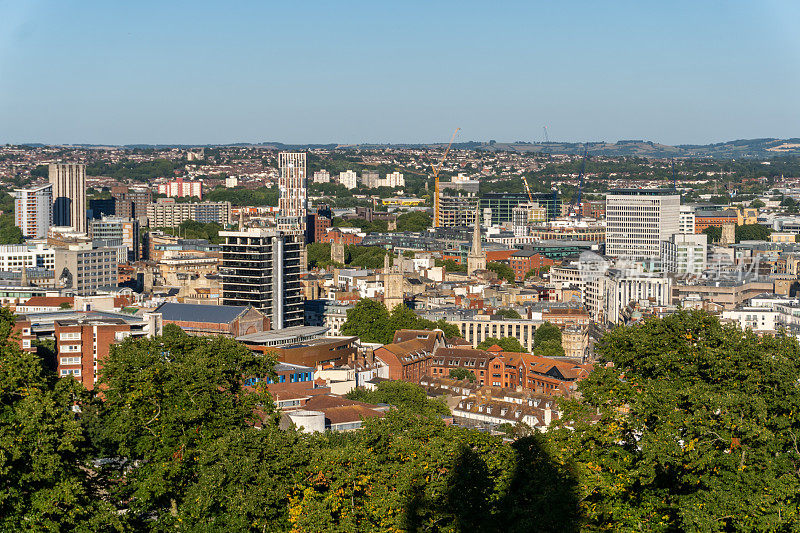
(281, 337)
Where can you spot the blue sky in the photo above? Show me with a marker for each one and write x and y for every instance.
(412, 71)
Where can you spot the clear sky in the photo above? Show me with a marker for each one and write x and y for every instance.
(316, 72)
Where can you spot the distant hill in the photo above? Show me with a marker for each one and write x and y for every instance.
(742, 148)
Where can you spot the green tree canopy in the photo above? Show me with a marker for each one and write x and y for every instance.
(462, 373)
(752, 232)
(757, 204)
(714, 233)
(45, 481)
(546, 331)
(405, 396)
(451, 266)
(693, 428)
(502, 270)
(507, 313)
(369, 321)
(508, 344)
(549, 348)
(413, 221)
(170, 403)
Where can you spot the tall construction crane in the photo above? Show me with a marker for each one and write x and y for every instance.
(527, 189)
(436, 180)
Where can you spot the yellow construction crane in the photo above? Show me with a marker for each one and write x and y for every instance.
(527, 189)
(436, 181)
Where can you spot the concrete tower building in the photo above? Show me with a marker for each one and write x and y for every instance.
(638, 220)
(69, 195)
(476, 259)
(261, 267)
(33, 211)
(292, 186)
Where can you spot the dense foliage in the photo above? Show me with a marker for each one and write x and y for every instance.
(191, 229)
(462, 373)
(240, 196)
(172, 446)
(502, 270)
(413, 221)
(507, 313)
(371, 322)
(693, 428)
(508, 344)
(451, 266)
(407, 397)
(135, 170)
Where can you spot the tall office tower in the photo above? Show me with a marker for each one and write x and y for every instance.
(292, 202)
(69, 195)
(33, 211)
(637, 220)
(261, 267)
(131, 202)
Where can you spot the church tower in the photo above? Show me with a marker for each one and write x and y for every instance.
(476, 260)
(392, 285)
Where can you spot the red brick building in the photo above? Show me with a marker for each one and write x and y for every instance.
(83, 345)
(321, 225)
(407, 361)
(523, 261)
(447, 359)
(705, 218)
(226, 320)
(593, 209)
(338, 236)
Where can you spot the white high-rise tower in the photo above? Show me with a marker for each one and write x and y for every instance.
(292, 185)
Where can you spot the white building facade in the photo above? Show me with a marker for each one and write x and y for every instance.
(33, 211)
(638, 220)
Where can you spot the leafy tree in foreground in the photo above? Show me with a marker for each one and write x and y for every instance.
(752, 232)
(45, 481)
(714, 233)
(413, 221)
(371, 322)
(550, 348)
(407, 473)
(171, 404)
(695, 429)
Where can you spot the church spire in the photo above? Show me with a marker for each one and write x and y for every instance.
(476, 259)
(476, 235)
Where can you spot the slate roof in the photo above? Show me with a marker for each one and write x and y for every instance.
(212, 314)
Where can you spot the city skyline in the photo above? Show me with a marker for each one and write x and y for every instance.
(397, 73)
